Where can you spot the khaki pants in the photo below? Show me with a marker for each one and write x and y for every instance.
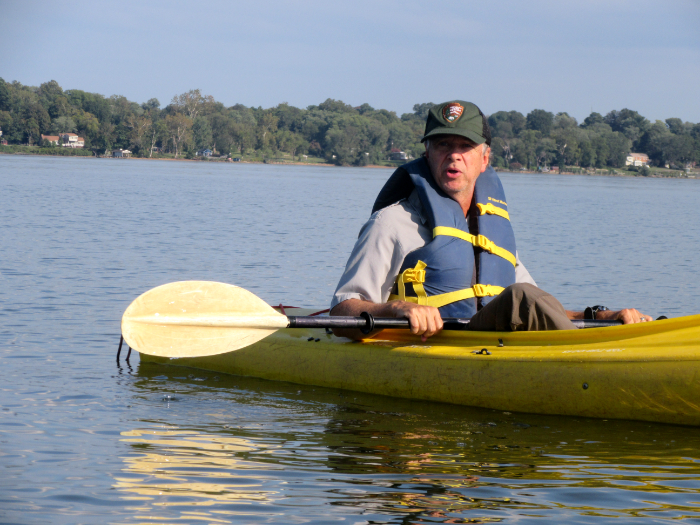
(521, 307)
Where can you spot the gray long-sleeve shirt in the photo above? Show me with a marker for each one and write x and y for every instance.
(384, 241)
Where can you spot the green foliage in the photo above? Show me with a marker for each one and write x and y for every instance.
(332, 131)
(540, 120)
(4, 96)
(592, 119)
(40, 150)
(507, 124)
(202, 133)
(421, 110)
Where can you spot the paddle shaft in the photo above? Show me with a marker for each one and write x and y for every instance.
(367, 323)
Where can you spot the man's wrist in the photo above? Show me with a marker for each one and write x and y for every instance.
(591, 312)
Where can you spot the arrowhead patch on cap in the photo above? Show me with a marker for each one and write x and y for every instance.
(451, 112)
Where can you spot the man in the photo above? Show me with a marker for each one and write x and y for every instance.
(439, 243)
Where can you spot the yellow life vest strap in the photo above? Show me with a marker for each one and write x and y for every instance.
(412, 275)
(477, 240)
(416, 276)
(492, 210)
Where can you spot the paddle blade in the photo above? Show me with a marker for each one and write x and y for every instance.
(197, 318)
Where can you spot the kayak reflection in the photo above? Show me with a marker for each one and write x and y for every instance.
(251, 448)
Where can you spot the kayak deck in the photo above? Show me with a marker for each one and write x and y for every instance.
(647, 371)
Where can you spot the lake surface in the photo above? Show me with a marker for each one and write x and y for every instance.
(86, 440)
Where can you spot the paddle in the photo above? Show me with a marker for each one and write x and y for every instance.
(201, 318)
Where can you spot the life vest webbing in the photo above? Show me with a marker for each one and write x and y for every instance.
(477, 240)
(492, 210)
(416, 276)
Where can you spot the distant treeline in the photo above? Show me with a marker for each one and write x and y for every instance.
(333, 130)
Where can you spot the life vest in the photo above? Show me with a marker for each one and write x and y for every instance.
(440, 273)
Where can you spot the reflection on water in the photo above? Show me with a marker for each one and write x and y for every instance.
(197, 469)
(83, 440)
(266, 444)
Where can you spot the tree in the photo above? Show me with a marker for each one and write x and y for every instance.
(540, 120)
(289, 117)
(564, 121)
(545, 151)
(267, 125)
(342, 146)
(87, 125)
(619, 146)
(5, 122)
(179, 130)
(202, 133)
(290, 142)
(524, 151)
(191, 103)
(506, 124)
(678, 150)
(92, 103)
(421, 110)
(158, 132)
(653, 142)
(4, 96)
(628, 122)
(503, 147)
(151, 104)
(567, 144)
(336, 106)
(106, 136)
(588, 154)
(63, 125)
(676, 126)
(140, 133)
(592, 119)
(35, 121)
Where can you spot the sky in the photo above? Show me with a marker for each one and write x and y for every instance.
(558, 55)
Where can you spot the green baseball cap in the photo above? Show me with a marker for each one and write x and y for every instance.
(458, 117)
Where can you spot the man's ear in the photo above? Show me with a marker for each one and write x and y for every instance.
(485, 158)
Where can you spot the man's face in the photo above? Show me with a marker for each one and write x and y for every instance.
(455, 163)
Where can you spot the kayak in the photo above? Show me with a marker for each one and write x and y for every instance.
(645, 371)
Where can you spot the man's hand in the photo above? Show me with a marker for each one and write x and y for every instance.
(425, 320)
(627, 316)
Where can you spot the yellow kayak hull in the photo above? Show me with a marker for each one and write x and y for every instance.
(646, 371)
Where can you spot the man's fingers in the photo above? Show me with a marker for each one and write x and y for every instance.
(424, 320)
(632, 315)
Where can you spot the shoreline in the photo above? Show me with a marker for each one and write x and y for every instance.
(692, 175)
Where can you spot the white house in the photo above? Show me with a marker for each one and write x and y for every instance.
(122, 153)
(53, 139)
(637, 159)
(397, 154)
(71, 140)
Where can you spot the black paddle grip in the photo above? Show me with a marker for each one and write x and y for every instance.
(366, 322)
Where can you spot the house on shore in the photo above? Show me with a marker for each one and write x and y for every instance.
(397, 154)
(121, 153)
(71, 140)
(204, 152)
(637, 159)
(53, 139)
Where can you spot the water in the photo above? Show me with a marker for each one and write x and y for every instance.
(84, 440)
